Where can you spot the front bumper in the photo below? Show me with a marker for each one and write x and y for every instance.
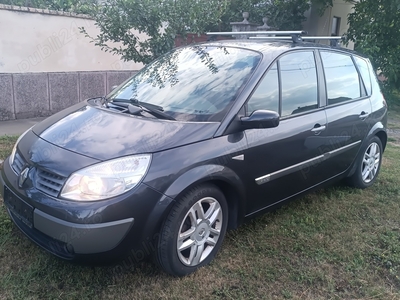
(70, 229)
(62, 238)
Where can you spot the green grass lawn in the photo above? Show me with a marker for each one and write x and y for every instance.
(6, 144)
(333, 244)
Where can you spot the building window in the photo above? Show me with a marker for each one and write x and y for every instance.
(335, 26)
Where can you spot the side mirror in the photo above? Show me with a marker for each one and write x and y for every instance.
(260, 119)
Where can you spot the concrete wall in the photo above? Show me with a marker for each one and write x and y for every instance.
(27, 95)
(33, 40)
(46, 64)
(318, 25)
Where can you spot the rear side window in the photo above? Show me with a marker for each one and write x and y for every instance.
(266, 96)
(363, 67)
(299, 82)
(342, 80)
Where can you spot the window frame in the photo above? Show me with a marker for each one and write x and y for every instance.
(361, 77)
(363, 93)
(319, 77)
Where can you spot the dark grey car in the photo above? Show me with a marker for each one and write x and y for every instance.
(200, 140)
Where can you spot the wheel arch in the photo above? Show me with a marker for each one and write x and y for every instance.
(382, 135)
(379, 131)
(235, 204)
(222, 177)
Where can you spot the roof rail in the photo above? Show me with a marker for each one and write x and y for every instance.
(335, 40)
(295, 36)
(299, 32)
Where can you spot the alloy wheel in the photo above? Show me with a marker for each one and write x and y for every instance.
(199, 231)
(370, 163)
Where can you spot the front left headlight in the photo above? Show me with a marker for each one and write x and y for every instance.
(107, 179)
(14, 150)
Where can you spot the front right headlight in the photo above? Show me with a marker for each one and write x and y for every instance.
(107, 179)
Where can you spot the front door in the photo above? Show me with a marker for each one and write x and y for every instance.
(283, 161)
(279, 160)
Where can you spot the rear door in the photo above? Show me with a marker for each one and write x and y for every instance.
(348, 109)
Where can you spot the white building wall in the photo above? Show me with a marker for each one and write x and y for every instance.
(49, 41)
(322, 25)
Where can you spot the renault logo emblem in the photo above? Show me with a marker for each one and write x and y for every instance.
(23, 176)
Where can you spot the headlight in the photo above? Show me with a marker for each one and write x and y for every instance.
(106, 179)
(14, 150)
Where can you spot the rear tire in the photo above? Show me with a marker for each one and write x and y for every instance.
(368, 164)
(194, 230)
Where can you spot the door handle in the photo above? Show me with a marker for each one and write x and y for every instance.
(363, 115)
(318, 128)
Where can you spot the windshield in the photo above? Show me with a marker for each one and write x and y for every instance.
(195, 83)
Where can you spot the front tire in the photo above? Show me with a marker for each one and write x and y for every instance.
(194, 230)
(368, 164)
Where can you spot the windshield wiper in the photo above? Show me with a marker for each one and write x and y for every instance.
(153, 109)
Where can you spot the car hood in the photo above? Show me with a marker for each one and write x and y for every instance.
(102, 134)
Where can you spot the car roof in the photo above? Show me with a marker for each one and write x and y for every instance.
(277, 46)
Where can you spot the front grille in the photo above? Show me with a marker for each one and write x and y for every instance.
(46, 182)
(18, 163)
(49, 183)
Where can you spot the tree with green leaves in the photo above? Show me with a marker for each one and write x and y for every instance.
(76, 6)
(375, 28)
(162, 21)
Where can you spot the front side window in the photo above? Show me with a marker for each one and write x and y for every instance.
(197, 83)
(342, 80)
(266, 95)
(299, 82)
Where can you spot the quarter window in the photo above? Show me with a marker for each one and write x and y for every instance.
(299, 82)
(342, 80)
(266, 96)
(363, 67)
